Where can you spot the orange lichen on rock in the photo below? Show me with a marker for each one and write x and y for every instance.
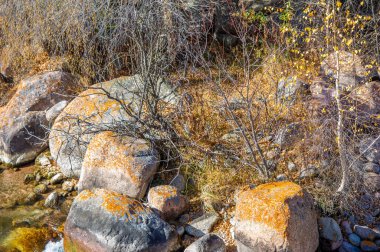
(267, 204)
(120, 205)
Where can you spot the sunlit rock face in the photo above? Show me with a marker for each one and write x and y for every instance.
(276, 216)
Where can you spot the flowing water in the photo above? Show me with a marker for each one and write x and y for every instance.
(22, 227)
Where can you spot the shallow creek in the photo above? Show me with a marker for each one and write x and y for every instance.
(25, 227)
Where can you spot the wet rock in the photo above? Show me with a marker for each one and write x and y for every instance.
(24, 114)
(347, 247)
(277, 216)
(207, 243)
(366, 233)
(52, 200)
(66, 205)
(354, 239)
(57, 178)
(368, 246)
(101, 220)
(28, 178)
(41, 189)
(30, 199)
(329, 233)
(167, 201)
(202, 225)
(179, 182)
(121, 164)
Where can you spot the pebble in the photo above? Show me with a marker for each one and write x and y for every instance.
(31, 198)
(180, 230)
(41, 189)
(185, 218)
(348, 247)
(57, 178)
(308, 172)
(68, 186)
(366, 233)
(28, 178)
(291, 166)
(354, 239)
(368, 246)
(281, 177)
(346, 227)
(52, 200)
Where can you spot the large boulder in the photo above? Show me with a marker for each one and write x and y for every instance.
(276, 216)
(93, 111)
(101, 220)
(118, 163)
(23, 122)
(351, 70)
(365, 100)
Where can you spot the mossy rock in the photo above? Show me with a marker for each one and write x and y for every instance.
(27, 239)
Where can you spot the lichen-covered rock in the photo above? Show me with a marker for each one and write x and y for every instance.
(202, 225)
(276, 216)
(288, 89)
(92, 111)
(24, 115)
(101, 220)
(121, 164)
(167, 201)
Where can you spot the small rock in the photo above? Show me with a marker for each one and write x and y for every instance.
(38, 177)
(202, 225)
(44, 161)
(66, 205)
(372, 181)
(330, 234)
(31, 198)
(167, 201)
(372, 167)
(179, 182)
(57, 178)
(51, 174)
(348, 247)
(41, 189)
(291, 166)
(354, 239)
(68, 186)
(185, 218)
(28, 178)
(346, 227)
(309, 172)
(52, 200)
(281, 177)
(366, 233)
(368, 246)
(208, 243)
(180, 230)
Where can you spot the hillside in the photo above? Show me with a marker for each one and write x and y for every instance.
(179, 125)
